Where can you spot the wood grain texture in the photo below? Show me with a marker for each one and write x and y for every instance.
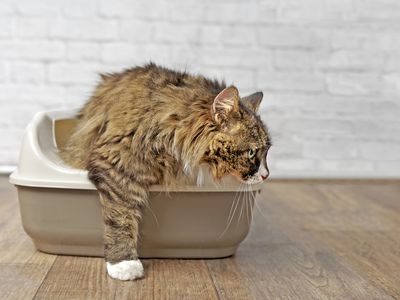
(22, 268)
(309, 240)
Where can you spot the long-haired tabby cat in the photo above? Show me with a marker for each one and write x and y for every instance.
(150, 125)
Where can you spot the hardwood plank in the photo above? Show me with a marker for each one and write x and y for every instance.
(313, 267)
(370, 253)
(369, 239)
(228, 279)
(85, 278)
(182, 279)
(313, 240)
(12, 235)
(76, 278)
(22, 280)
(140, 289)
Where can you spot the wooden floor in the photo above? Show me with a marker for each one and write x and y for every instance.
(309, 240)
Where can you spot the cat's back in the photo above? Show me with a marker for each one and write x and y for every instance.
(140, 98)
(151, 84)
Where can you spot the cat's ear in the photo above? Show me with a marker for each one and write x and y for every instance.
(225, 103)
(253, 101)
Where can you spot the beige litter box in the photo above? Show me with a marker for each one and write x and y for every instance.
(60, 207)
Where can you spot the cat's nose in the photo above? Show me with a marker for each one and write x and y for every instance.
(264, 177)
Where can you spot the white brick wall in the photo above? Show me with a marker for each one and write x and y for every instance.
(330, 70)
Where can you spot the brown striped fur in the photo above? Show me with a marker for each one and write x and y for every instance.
(151, 125)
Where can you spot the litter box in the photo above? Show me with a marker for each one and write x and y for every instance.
(61, 212)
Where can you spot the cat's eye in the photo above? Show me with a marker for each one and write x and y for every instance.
(252, 153)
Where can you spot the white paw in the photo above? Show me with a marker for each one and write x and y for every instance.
(125, 270)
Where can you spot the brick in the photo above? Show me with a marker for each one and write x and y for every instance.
(6, 26)
(181, 56)
(175, 33)
(380, 151)
(6, 8)
(84, 29)
(47, 8)
(287, 37)
(302, 12)
(378, 130)
(184, 11)
(8, 157)
(31, 28)
(348, 38)
(293, 59)
(291, 164)
(46, 50)
(315, 12)
(118, 52)
(387, 109)
(288, 81)
(83, 51)
(18, 116)
(347, 166)
(136, 31)
(77, 95)
(329, 69)
(210, 34)
(236, 12)
(79, 8)
(13, 136)
(336, 149)
(392, 62)
(28, 72)
(134, 54)
(61, 72)
(238, 35)
(244, 80)
(215, 73)
(315, 128)
(353, 84)
(4, 71)
(372, 10)
(127, 8)
(284, 148)
(389, 168)
(233, 57)
(351, 60)
(334, 106)
(388, 41)
(391, 84)
(17, 93)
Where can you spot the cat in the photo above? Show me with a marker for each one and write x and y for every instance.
(152, 125)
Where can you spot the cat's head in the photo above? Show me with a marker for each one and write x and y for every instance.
(241, 143)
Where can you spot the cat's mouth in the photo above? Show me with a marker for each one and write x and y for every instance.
(255, 179)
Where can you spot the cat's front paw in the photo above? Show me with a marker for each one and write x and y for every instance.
(125, 270)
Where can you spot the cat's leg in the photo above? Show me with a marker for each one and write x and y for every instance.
(122, 201)
(121, 230)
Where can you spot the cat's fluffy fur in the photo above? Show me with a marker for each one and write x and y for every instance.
(150, 125)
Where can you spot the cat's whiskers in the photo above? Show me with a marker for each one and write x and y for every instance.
(234, 210)
(258, 207)
(251, 200)
(152, 212)
(241, 211)
(248, 210)
(234, 205)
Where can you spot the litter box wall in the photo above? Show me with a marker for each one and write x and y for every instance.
(61, 212)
